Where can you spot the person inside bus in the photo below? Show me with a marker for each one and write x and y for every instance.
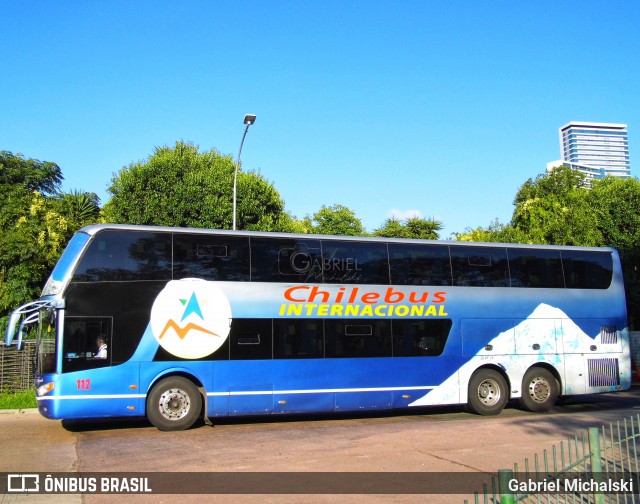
(102, 348)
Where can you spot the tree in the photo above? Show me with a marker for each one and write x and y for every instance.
(555, 209)
(616, 204)
(33, 233)
(28, 175)
(496, 232)
(336, 220)
(36, 222)
(180, 186)
(79, 208)
(426, 229)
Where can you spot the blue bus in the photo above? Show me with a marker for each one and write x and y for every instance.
(181, 324)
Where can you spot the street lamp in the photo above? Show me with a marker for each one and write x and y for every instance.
(249, 119)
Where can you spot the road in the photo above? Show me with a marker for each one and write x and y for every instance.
(445, 440)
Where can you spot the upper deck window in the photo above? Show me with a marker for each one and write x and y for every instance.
(480, 266)
(587, 269)
(535, 268)
(350, 262)
(285, 260)
(116, 255)
(419, 264)
(210, 257)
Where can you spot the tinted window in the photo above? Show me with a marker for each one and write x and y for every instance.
(358, 338)
(127, 303)
(480, 266)
(355, 262)
(87, 343)
(126, 255)
(210, 257)
(420, 337)
(251, 339)
(535, 268)
(587, 270)
(301, 339)
(285, 260)
(419, 265)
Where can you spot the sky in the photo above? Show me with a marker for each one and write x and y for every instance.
(440, 110)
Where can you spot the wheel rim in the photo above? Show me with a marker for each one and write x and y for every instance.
(174, 404)
(539, 390)
(489, 392)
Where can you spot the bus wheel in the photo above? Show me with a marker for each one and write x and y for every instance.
(174, 404)
(487, 392)
(540, 390)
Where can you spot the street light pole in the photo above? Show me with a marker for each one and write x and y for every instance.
(249, 119)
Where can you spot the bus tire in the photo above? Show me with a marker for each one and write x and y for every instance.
(488, 393)
(174, 404)
(540, 390)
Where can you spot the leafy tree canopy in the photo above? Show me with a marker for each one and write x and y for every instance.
(555, 209)
(29, 174)
(496, 232)
(335, 220)
(426, 229)
(180, 186)
(36, 221)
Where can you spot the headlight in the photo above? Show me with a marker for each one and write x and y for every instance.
(44, 389)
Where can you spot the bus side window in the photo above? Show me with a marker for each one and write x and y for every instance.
(535, 268)
(210, 257)
(81, 348)
(355, 262)
(357, 338)
(419, 264)
(115, 255)
(251, 339)
(420, 337)
(298, 339)
(291, 260)
(480, 266)
(587, 269)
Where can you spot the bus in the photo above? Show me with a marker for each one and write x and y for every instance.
(184, 325)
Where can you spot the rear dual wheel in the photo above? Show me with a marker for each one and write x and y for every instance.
(540, 390)
(488, 392)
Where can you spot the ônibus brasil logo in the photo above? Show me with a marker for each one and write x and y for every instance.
(191, 318)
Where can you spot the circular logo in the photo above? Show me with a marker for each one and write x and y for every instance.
(191, 318)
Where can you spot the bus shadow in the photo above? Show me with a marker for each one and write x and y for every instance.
(101, 424)
(574, 405)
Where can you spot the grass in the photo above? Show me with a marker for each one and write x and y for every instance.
(18, 400)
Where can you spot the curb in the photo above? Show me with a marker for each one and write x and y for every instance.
(18, 411)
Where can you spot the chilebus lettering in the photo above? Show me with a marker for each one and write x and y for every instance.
(315, 294)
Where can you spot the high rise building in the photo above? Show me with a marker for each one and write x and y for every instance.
(596, 149)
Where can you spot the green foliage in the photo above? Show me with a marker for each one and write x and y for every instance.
(31, 230)
(335, 220)
(36, 221)
(18, 400)
(28, 175)
(615, 203)
(555, 209)
(616, 208)
(496, 232)
(180, 186)
(80, 208)
(416, 228)
(559, 182)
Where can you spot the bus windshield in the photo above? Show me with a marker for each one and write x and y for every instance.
(46, 341)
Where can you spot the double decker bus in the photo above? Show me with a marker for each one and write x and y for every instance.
(183, 324)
